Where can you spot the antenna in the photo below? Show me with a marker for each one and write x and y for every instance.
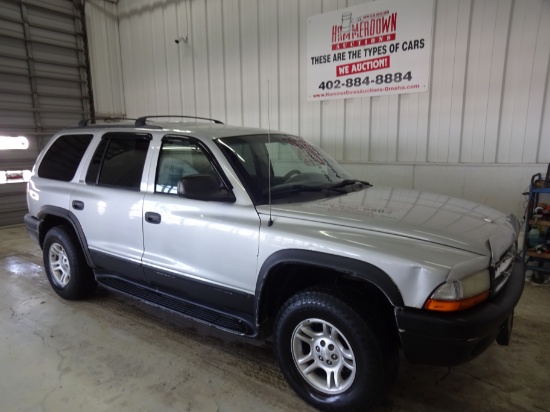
(270, 221)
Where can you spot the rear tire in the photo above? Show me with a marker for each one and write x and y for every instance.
(65, 265)
(331, 356)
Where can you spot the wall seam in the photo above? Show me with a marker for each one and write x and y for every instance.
(259, 94)
(207, 58)
(179, 59)
(224, 64)
(277, 65)
(464, 91)
(190, 30)
(167, 65)
(154, 66)
(300, 71)
(504, 74)
(434, 27)
(544, 102)
(241, 59)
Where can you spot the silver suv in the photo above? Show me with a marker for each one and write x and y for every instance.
(264, 235)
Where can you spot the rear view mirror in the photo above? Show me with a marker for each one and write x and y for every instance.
(204, 187)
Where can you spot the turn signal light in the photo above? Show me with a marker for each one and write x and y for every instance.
(455, 305)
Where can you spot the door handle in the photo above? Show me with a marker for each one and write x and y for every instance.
(78, 205)
(152, 217)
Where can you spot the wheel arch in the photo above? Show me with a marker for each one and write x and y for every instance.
(52, 216)
(287, 272)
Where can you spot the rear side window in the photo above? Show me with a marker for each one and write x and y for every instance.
(119, 160)
(63, 157)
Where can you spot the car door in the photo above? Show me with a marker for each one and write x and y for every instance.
(202, 251)
(108, 203)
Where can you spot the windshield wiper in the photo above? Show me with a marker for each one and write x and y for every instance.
(348, 182)
(295, 189)
(278, 191)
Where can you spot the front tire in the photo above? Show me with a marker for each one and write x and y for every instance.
(328, 353)
(65, 265)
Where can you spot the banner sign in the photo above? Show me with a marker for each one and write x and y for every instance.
(372, 49)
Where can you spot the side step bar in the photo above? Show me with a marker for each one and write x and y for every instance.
(188, 309)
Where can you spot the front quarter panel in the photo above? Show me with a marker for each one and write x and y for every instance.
(415, 267)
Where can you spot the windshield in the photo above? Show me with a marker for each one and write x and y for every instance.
(296, 170)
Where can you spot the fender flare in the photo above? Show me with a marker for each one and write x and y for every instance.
(73, 220)
(355, 268)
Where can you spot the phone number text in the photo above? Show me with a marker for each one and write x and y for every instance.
(366, 81)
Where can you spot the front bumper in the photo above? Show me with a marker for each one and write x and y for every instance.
(448, 339)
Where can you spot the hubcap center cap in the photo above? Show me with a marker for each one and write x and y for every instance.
(328, 353)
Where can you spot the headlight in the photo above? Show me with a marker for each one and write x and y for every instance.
(460, 294)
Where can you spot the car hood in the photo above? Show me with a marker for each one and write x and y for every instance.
(430, 217)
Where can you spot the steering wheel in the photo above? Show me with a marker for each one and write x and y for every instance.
(291, 174)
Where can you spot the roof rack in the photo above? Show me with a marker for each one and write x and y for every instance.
(142, 121)
(86, 122)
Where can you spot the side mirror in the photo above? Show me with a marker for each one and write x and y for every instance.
(204, 187)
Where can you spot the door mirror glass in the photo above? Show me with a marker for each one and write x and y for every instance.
(204, 187)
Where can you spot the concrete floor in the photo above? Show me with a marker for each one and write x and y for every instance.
(111, 353)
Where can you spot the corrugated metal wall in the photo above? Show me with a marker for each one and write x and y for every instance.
(487, 113)
(43, 84)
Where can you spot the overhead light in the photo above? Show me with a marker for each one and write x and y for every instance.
(14, 143)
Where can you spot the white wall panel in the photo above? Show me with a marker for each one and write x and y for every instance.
(525, 23)
(159, 47)
(485, 69)
(448, 78)
(250, 49)
(544, 140)
(146, 54)
(198, 43)
(133, 80)
(496, 79)
(102, 22)
(412, 130)
(173, 87)
(488, 103)
(269, 64)
(332, 137)
(357, 122)
(232, 61)
(289, 63)
(216, 64)
(537, 96)
(186, 65)
(310, 112)
(357, 130)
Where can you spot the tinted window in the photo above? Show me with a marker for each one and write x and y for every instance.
(119, 160)
(64, 156)
(180, 158)
(95, 164)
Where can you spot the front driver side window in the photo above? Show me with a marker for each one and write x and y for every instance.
(180, 158)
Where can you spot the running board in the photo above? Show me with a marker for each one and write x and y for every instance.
(190, 310)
